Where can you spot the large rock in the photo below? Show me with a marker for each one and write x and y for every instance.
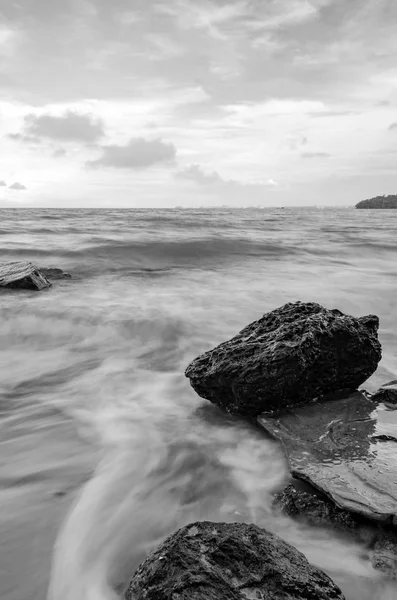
(288, 357)
(228, 561)
(347, 449)
(22, 276)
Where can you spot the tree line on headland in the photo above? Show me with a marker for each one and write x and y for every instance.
(379, 202)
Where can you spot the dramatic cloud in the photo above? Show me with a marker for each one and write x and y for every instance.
(315, 155)
(70, 126)
(3, 184)
(17, 186)
(137, 154)
(302, 91)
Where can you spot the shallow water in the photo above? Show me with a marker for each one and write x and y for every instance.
(105, 448)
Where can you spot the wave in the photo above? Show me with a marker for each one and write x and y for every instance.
(157, 254)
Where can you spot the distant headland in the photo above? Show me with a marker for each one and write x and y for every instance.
(379, 202)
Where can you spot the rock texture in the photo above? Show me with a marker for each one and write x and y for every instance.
(228, 561)
(288, 357)
(22, 276)
(387, 394)
(345, 448)
(385, 202)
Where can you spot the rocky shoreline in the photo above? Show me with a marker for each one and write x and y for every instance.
(297, 370)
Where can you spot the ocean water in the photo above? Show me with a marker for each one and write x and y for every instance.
(104, 447)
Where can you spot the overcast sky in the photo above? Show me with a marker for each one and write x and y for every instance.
(197, 102)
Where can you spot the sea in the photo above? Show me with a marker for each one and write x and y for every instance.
(105, 449)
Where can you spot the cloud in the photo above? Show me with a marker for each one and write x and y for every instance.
(393, 126)
(196, 174)
(315, 155)
(70, 126)
(137, 154)
(17, 186)
(2, 184)
(59, 152)
(20, 137)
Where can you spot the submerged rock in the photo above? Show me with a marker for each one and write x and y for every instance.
(288, 357)
(52, 273)
(315, 509)
(228, 561)
(384, 556)
(387, 394)
(345, 448)
(22, 276)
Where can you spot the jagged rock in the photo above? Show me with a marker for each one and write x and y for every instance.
(346, 449)
(22, 276)
(52, 273)
(228, 561)
(288, 357)
(314, 508)
(384, 557)
(387, 394)
(386, 202)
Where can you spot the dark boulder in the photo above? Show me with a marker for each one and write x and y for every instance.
(228, 561)
(288, 357)
(346, 449)
(387, 394)
(22, 276)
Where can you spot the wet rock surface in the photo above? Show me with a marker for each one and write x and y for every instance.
(387, 393)
(347, 449)
(22, 276)
(228, 561)
(290, 356)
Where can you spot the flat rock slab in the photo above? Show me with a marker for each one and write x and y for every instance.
(228, 561)
(288, 357)
(345, 448)
(22, 276)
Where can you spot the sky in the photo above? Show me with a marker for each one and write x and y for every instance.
(163, 103)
